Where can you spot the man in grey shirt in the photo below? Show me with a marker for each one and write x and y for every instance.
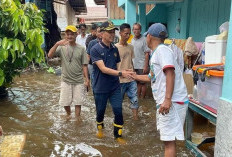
(141, 60)
(74, 64)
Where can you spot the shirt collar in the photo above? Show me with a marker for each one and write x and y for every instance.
(104, 46)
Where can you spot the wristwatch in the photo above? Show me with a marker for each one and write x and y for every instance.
(119, 73)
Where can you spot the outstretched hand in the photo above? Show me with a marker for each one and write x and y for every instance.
(128, 74)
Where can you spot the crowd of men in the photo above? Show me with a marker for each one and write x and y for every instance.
(119, 68)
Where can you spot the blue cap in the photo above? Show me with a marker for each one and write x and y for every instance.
(157, 30)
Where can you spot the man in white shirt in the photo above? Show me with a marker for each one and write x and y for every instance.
(168, 88)
(81, 38)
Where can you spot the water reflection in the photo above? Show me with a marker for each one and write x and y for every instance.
(34, 110)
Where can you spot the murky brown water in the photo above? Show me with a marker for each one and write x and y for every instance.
(35, 111)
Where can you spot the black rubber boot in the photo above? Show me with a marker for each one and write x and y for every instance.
(118, 134)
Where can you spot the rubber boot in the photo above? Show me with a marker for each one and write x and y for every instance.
(118, 134)
(100, 127)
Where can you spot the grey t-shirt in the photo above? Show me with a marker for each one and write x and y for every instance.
(72, 59)
(140, 47)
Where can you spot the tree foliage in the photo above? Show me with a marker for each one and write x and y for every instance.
(21, 37)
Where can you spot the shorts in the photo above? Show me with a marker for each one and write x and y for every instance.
(140, 72)
(72, 94)
(171, 125)
(130, 88)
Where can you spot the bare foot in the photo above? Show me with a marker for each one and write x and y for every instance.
(66, 117)
(78, 119)
(135, 118)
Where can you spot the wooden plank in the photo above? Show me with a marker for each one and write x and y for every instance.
(192, 147)
(12, 145)
(112, 9)
(116, 10)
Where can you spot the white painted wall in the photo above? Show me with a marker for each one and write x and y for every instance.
(65, 15)
(224, 130)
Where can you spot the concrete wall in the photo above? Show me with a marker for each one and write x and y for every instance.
(223, 130)
(224, 123)
(65, 15)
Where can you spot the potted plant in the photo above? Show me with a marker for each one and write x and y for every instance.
(21, 37)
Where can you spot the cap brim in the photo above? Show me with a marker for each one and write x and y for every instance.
(110, 28)
(70, 30)
(145, 34)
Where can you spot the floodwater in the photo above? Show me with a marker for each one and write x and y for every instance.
(33, 110)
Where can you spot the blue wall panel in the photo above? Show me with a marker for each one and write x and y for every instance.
(175, 11)
(207, 16)
(199, 18)
(157, 14)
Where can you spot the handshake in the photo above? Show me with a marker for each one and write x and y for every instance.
(129, 74)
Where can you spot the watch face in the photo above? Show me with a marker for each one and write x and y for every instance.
(120, 73)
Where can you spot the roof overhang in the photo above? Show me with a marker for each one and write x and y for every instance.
(100, 2)
(78, 6)
(157, 1)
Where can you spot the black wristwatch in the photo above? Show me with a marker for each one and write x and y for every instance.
(119, 73)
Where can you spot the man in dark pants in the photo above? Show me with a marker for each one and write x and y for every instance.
(106, 85)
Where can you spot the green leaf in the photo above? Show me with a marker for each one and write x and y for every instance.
(27, 22)
(39, 40)
(10, 43)
(21, 46)
(4, 43)
(4, 54)
(1, 59)
(13, 55)
(0, 41)
(32, 35)
(16, 45)
(29, 45)
(2, 77)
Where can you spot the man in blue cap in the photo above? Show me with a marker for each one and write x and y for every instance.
(168, 89)
(106, 85)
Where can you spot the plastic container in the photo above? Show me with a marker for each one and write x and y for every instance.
(209, 91)
(196, 138)
(214, 49)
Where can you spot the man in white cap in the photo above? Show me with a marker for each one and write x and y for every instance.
(168, 89)
(74, 64)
